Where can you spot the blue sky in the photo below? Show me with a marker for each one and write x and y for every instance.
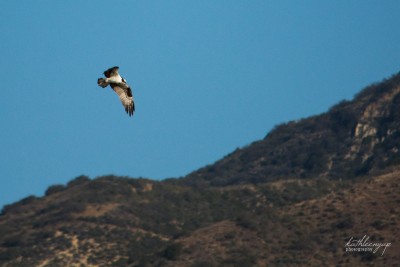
(207, 76)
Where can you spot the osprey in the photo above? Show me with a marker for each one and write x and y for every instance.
(119, 85)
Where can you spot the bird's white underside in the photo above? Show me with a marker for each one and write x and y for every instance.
(114, 79)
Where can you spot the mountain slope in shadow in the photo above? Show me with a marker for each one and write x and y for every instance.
(295, 198)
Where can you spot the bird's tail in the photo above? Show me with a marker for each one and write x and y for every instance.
(102, 82)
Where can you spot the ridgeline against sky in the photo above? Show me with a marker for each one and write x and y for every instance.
(300, 196)
(210, 76)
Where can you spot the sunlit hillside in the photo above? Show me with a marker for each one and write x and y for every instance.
(296, 198)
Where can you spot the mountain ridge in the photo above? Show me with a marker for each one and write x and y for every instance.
(336, 144)
(294, 198)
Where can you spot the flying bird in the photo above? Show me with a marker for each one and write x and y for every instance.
(119, 85)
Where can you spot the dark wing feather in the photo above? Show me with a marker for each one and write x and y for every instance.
(111, 72)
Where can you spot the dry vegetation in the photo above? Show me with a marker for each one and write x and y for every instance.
(286, 223)
(292, 199)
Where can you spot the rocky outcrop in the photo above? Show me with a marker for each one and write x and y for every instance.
(353, 138)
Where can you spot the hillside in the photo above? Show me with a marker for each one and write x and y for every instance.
(353, 138)
(295, 198)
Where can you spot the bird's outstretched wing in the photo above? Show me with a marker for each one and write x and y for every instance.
(111, 72)
(125, 95)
